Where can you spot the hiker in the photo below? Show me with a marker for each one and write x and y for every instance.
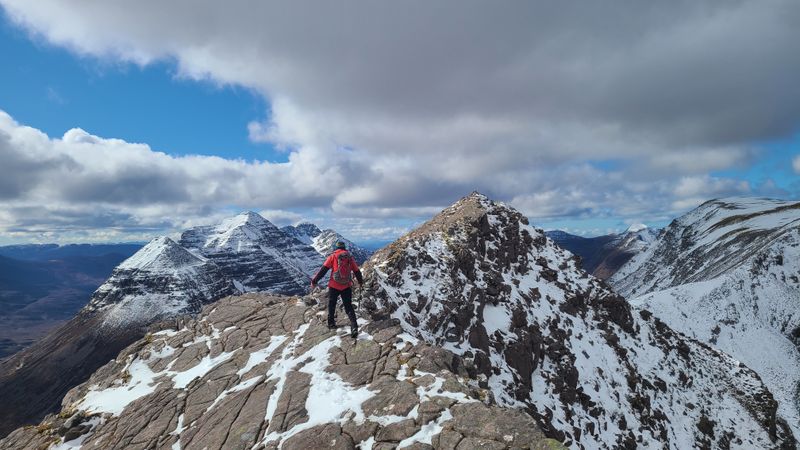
(343, 267)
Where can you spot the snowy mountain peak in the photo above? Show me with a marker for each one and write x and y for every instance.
(162, 253)
(706, 242)
(636, 227)
(478, 280)
(249, 220)
(308, 228)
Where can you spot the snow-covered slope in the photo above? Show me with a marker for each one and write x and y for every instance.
(161, 280)
(545, 336)
(260, 371)
(707, 242)
(256, 254)
(727, 273)
(324, 240)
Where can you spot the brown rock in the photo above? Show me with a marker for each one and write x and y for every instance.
(397, 431)
(327, 436)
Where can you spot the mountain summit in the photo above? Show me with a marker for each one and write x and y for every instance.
(543, 335)
(255, 254)
(160, 281)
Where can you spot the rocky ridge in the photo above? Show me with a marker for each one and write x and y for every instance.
(727, 273)
(543, 335)
(264, 372)
(324, 240)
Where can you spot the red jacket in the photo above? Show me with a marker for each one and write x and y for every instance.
(330, 263)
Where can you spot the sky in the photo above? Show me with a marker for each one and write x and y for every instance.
(123, 121)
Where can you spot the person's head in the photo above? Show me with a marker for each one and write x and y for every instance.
(340, 245)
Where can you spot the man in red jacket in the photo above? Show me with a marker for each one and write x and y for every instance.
(343, 267)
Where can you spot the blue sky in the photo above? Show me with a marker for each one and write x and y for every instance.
(51, 89)
(372, 127)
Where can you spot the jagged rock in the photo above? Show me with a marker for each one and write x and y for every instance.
(278, 386)
(539, 332)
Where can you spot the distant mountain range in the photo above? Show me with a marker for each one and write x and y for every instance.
(42, 286)
(602, 256)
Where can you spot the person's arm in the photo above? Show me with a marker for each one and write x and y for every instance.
(322, 271)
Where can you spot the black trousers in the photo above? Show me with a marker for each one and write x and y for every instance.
(347, 302)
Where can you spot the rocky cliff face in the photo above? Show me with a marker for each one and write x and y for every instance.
(727, 273)
(264, 372)
(255, 254)
(324, 240)
(543, 335)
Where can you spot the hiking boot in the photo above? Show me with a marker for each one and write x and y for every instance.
(331, 326)
(354, 332)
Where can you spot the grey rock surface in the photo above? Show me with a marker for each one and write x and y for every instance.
(263, 371)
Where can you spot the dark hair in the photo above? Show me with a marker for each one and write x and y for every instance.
(340, 244)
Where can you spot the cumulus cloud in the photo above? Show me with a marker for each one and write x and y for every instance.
(629, 77)
(404, 107)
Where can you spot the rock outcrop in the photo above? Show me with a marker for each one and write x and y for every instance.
(541, 334)
(264, 372)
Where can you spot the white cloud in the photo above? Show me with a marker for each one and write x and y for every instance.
(85, 187)
(390, 108)
(470, 77)
(796, 164)
(281, 217)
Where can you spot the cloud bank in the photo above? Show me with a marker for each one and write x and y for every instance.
(568, 110)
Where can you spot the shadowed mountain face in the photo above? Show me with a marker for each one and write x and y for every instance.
(545, 336)
(262, 371)
(602, 256)
(42, 286)
(728, 274)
